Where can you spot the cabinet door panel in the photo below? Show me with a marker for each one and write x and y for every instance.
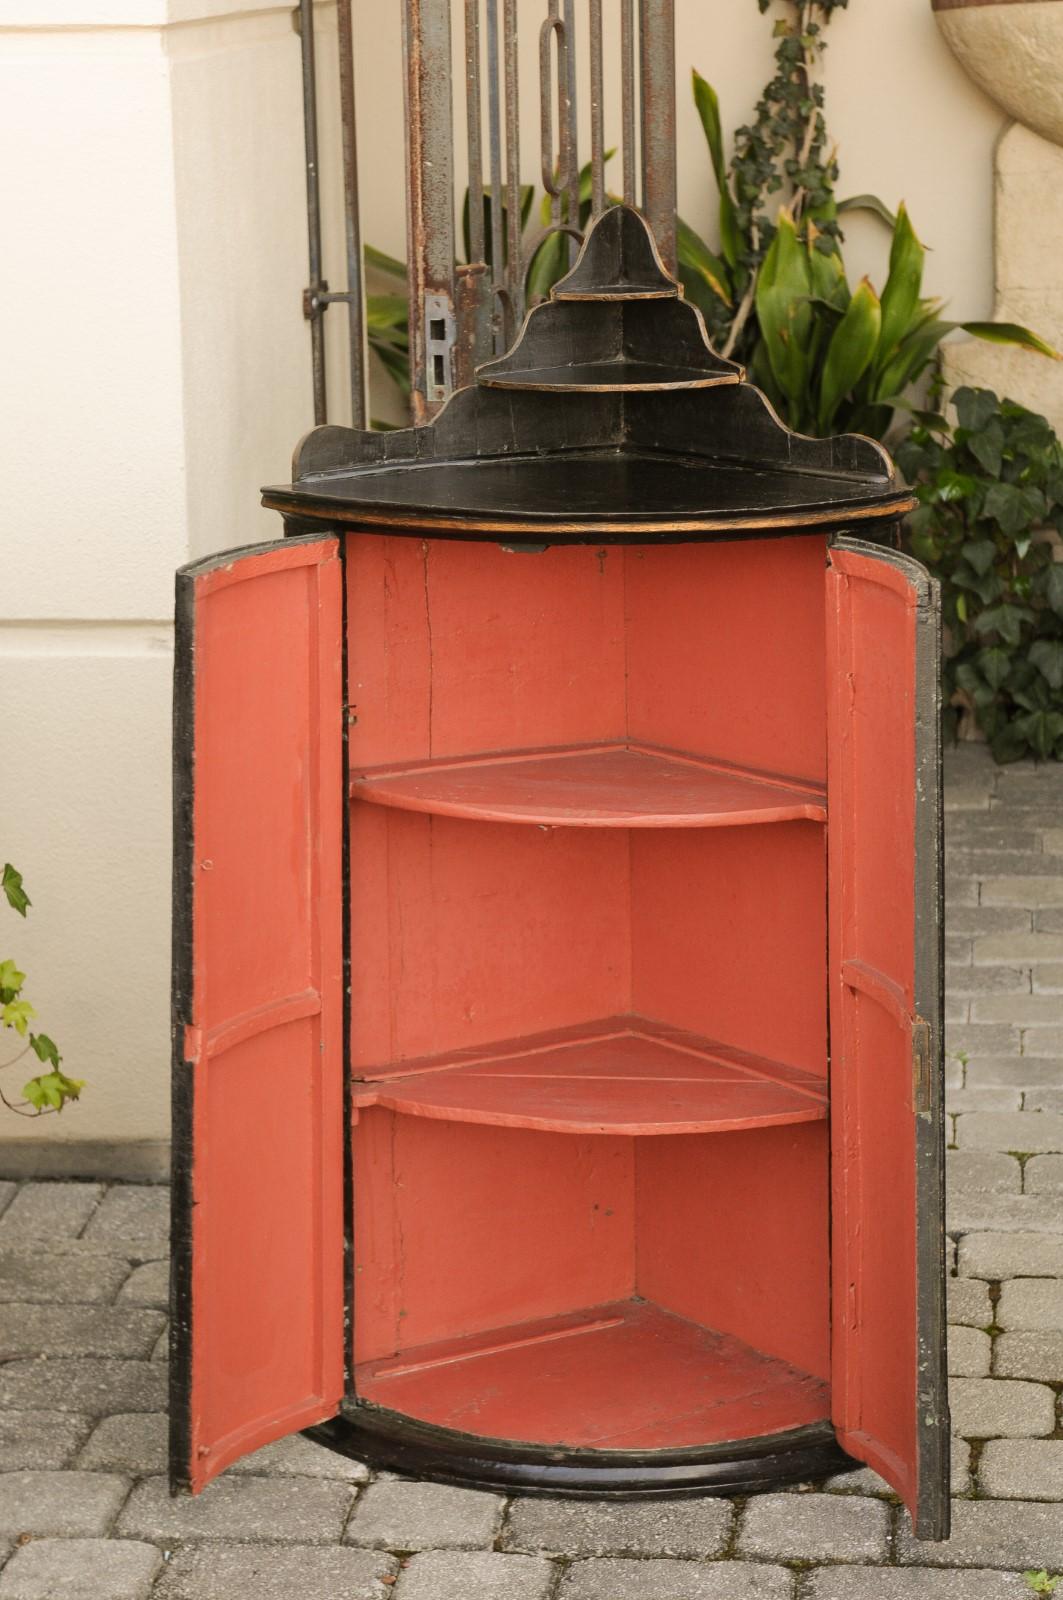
(884, 831)
(258, 997)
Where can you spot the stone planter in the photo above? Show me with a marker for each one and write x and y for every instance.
(1013, 50)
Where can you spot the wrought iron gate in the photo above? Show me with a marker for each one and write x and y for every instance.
(461, 313)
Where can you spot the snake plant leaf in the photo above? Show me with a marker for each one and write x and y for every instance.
(1009, 333)
(872, 203)
(708, 108)
(827, 273)
(901, 305)
(699, 267)
(785, 315)
(850, 353)
(383, 262)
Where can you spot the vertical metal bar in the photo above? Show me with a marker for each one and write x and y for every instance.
(351, 224)
(313, 306)
(627, 95)
(597, 112)
(568, 132)
(657, 59)
(514, 270)
(429, 202)
(473, 127)
(472, 291)
(494, 143)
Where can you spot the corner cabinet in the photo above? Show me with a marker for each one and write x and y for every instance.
(557, 999)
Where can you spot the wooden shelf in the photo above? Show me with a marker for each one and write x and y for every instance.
(622, 1376)
(620, 1075)
(593, 377)
(608, 786)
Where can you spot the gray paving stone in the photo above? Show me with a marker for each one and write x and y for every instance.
(1010, 1255)
(960, 1466)
(969, 1302)
(1043, 1100)
(133, 1442)
(40, 1440)
(969, 1353)
(81, 1569)
(1049, 920)
(44, 1211)
(132, 1214)
(474, 1575)
(669, 1580)
(911, 1583)
(982, 1172)
(1034, 1303)
(962, 891)
(1018, 1213)
(239, 1509)
(161, 1351)
(1025, 1072)
(1017, 949)
(296, 1457)
(862, 1481)
(7, 1193)
(969, 861)
(979, 921)
(1047, 979)
(33, 1278)
(958, 949)
(148, 1285)
(988, 1533)
(1038, 1041)
(1022, 1469)
(1030, 1355)
(1044, 1175)
(599, 1528)
(982, 1039)
(68, 1504)
(1025, 1010)
(93, 1388)
(991, 831)
(55, 1331)
(1011, 890)
(276, 1572)
(401, 1515)
(1025, 1131)
(991, 1408)
(995, 1097)
(814, 1527)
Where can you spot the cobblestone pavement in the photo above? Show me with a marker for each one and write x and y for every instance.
(84, 1513)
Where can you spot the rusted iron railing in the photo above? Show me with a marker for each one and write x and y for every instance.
(462, 313)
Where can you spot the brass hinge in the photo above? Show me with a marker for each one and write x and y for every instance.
(922, 1066)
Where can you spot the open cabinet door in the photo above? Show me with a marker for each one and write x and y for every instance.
(890, 1399)
(258, 1236)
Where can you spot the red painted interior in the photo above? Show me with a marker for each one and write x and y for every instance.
(655, 719)
(265, 1037)
(871, 654)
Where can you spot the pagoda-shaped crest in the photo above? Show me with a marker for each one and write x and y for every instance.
(616, 323)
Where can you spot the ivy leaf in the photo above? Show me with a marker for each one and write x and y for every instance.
(1047, 657)
(52, 1090)
(1006, 620)
(16, 1014)
(1054, 587)
(975, 408)
(981, 553)
(1043, 730)
(44, 1048)
(995, 665)
(11, 979)
(987, 447)
(1007, 508)
(17, 898)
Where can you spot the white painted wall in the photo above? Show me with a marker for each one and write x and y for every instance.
(157, 372)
